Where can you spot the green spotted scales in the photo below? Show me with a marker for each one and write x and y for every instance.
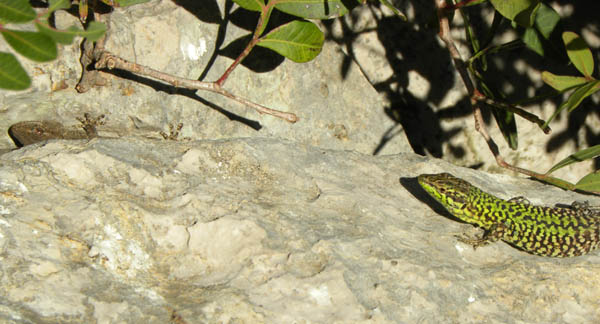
(546, 231)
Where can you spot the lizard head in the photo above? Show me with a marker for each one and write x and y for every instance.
(453, 193)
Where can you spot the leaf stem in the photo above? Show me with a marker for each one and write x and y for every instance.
(264, 17)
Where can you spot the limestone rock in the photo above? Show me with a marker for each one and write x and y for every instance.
(258, 230)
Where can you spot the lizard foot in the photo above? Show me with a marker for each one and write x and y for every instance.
(173, 133)
(475, 242)
(89, 124)
(519, 200)
(493, 234)
(584, 208)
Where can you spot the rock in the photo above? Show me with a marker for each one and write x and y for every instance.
(260, 230)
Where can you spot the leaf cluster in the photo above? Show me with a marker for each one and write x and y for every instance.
(298, 40)
(537, 24)
(40, 45)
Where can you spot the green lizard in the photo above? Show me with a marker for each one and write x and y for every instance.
(546, 231)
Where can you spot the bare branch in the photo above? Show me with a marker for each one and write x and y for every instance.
(110, 61)
(105, 59)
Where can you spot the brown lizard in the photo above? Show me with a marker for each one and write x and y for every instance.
(30, 132)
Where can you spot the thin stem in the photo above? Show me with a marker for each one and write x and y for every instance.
(493, 49)
(255, 38)
(490, 101)
(519, 111)
(451, 7)
(110, 61)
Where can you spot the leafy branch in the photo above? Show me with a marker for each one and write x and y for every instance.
(537, 22)
(299, 40)
(38, 46)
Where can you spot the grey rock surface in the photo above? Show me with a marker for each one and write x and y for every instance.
(260, 230)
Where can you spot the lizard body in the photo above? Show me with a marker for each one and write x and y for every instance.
(546, 231)
(31, 132)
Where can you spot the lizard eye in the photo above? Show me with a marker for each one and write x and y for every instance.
(38, 130)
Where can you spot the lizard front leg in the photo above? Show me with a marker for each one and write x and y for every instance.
(89, 124)
(493, 234)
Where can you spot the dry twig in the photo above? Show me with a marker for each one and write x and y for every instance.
(110, 61)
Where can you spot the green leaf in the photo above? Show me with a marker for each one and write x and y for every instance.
(508, 126)
(16, 11)
(60, 36)
(59, 4)
(126, 3)
(313, 9)
(252, 5)
(546, 19)
(33, 45)
(562, 82)
(582, 155)
(395, 10)
(471, 37)
(54, 5)
(520, 11)
(590, 182)
(265, 15)
(532, 39)
(83, 9)
(474, 3)
(527, 17)
(580, 93)
(12, 74)
(557, 182)
(300, 41)
(537, 37)
(579, 53)
(94, 31)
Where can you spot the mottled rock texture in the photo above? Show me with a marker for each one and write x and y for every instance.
(260, 230)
